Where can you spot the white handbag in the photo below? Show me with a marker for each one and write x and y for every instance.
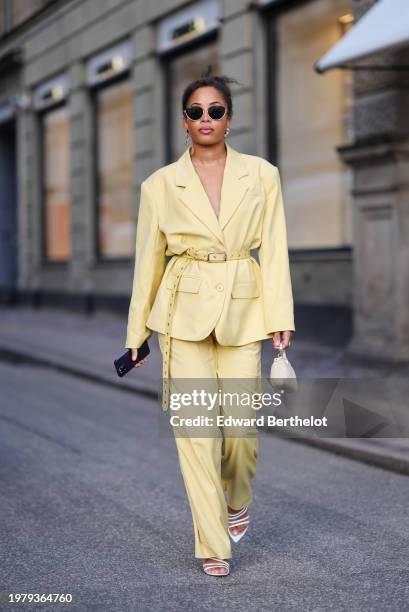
(282, 374)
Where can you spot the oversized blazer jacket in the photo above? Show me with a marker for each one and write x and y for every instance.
(243, 299)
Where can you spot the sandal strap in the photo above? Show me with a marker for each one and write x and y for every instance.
(239, 522)
(215, 562)
(208, 570)
(237, 514)
(215, 565)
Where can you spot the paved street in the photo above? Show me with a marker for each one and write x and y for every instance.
(92, 503)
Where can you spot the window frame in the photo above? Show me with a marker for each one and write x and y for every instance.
(94, 92)
(45, 260)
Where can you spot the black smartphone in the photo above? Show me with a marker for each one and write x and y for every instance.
(124, 363)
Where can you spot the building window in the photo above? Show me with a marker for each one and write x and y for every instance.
(311, 121)
(56, 184)
(114, 169)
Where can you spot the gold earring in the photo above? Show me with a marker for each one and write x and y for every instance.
(226, 132)
(187, 138)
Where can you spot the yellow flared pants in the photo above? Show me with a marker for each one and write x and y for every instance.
(220, 462)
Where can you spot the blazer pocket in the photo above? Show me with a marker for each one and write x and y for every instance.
(245, 290)
(190, 284)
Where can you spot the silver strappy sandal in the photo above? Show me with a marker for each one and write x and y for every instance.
(213, 562)
(236, 519)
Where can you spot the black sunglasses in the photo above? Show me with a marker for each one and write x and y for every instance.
(215, 112)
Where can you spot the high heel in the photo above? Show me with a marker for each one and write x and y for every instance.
(214, 562)
(237, 519)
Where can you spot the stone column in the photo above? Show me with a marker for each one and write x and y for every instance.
(379, 157)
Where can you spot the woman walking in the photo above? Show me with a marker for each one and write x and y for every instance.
(213, 303)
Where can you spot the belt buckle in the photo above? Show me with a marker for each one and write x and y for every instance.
(215, 256)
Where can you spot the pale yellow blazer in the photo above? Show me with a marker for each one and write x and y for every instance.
(242, 299)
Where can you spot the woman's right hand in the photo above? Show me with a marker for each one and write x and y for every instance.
(134, 357)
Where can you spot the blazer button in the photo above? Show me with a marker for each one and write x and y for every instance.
(219, 287)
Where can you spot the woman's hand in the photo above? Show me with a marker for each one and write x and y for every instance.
(284, 337)
(135, 355)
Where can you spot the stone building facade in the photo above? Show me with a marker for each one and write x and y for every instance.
(90, 106)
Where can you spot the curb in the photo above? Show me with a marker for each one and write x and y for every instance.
(390, 462)
(7, 355)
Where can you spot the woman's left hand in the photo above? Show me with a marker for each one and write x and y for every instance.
(284, 337)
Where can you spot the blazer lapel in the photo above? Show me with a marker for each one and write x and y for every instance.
(235, 185)
(193, 195)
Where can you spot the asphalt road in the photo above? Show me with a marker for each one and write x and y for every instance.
(93, 504)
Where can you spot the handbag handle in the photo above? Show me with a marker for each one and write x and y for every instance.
(281, 351)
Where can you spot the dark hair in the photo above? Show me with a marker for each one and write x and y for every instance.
(208, 80)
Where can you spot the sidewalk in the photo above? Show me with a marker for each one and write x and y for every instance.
(87, 345)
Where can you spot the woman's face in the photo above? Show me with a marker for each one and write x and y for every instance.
(206, 130)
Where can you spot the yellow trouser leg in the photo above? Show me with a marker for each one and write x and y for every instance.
(211, 464)
(240, 453)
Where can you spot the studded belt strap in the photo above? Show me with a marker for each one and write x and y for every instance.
(191, 253)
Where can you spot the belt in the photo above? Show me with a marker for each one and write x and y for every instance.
(190, 253)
